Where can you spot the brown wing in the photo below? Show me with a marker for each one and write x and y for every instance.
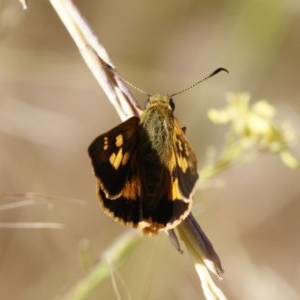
(113, 156)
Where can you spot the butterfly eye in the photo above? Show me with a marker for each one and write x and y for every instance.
(172, 104)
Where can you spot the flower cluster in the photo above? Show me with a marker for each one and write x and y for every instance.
(254, 126)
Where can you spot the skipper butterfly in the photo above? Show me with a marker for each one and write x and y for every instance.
(146, 168)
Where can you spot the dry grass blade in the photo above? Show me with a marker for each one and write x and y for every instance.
(95, 56)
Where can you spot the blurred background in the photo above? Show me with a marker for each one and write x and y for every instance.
(51, 108)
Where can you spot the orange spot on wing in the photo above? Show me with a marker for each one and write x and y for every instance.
(116, 160)
(174, 193)
(132, 189)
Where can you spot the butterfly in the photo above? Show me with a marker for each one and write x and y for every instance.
(146, 169)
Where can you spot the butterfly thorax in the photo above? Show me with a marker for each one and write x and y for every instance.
(156, 127)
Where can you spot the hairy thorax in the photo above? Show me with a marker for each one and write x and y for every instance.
(156, 128)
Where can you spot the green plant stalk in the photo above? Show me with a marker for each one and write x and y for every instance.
(110, 259)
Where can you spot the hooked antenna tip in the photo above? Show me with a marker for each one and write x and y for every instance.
(218, 71)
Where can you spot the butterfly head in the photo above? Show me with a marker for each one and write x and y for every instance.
(160, 100)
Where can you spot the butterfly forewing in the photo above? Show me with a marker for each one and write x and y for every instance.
(111, 154)
(185, 167)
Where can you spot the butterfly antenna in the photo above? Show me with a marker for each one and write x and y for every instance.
(125, 80)
(215, 72)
